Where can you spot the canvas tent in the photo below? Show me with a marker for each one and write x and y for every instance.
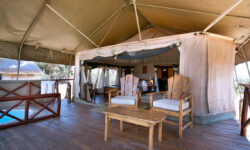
(51, 33)
(207, 59)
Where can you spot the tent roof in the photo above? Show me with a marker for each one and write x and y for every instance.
(108, 22)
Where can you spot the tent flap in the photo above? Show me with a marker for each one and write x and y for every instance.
(32, 53)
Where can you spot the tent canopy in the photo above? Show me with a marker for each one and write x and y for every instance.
(66, 27)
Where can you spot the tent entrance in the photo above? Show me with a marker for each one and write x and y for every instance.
(153, 67)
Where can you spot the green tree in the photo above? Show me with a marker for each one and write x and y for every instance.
(55, 71)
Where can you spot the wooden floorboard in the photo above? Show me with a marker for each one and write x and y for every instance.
(78, 128)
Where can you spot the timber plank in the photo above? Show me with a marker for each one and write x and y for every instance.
(79, 128)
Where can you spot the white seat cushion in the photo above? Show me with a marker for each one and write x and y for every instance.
(170, 104)
(125, 100)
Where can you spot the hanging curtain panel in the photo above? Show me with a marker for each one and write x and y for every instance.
(106, 77)
(156, 82)
(220, 75)
(100, 88)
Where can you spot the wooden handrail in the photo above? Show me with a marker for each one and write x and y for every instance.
(13, 98)
(246, 104)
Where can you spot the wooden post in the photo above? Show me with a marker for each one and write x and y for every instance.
(27, 102)
(180, 118)
(121, 125)
(109, 97)
(69, 92)
(58, 105)
(191, 113)
(151, 137)
(246, 104)
(106, 127)
(57, 86)
(160, 132)
(151, 101)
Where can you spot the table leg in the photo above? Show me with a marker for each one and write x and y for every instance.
(160, 132)
(106, 128)
(121, 125)
(151, 136)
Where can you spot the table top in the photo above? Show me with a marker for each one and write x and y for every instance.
(137, 113)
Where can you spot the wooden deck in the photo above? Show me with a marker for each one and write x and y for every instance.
(79, 128)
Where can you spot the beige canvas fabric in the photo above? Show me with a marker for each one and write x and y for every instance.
(220, 92)
(52, 33)
(193, 62)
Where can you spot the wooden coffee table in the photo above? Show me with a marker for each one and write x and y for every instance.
(143, 117)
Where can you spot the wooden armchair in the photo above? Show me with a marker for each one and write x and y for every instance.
(128, 95)
(178, 102)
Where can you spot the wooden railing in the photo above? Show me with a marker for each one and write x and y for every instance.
(13, 92)
(246, 105)
(28, 100)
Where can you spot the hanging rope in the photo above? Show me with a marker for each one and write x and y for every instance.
(106, 34)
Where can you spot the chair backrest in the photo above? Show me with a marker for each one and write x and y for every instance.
(129, 85)
(178, 86)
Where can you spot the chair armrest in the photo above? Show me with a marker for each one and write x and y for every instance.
(152, 94)
(109, 95)
(162, 92)
(112, 91)
(187, 97)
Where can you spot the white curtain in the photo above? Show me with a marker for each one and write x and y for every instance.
(100, 87)
(89, 76)
(156, 81)
(84, 80)
(123, 72)
(107, 77)
(117, 77)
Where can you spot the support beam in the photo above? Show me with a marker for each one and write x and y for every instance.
(222, 15)
(104, 23)
(187, 11)
(236, 76)
(27, 33)
(245, 57)
(137, 21)
(71, 25)
(241, 48)
(243, 44)
(108, 19)
(109, 29)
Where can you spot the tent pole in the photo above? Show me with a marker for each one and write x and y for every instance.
(111, 26)
(187, 11)
(240, 101)
(70, 65)
(239, 48)
(244, 54)
(108, 19)
(71, 25)
(237, 80)
(222, 15)
(137, 20)
(26, 35)
(104, 23)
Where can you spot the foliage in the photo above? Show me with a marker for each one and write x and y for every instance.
(55, 71)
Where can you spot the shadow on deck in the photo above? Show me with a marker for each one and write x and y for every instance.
(80, 128)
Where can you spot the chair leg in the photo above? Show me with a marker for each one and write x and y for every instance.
(191, 119)
(180, 126)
